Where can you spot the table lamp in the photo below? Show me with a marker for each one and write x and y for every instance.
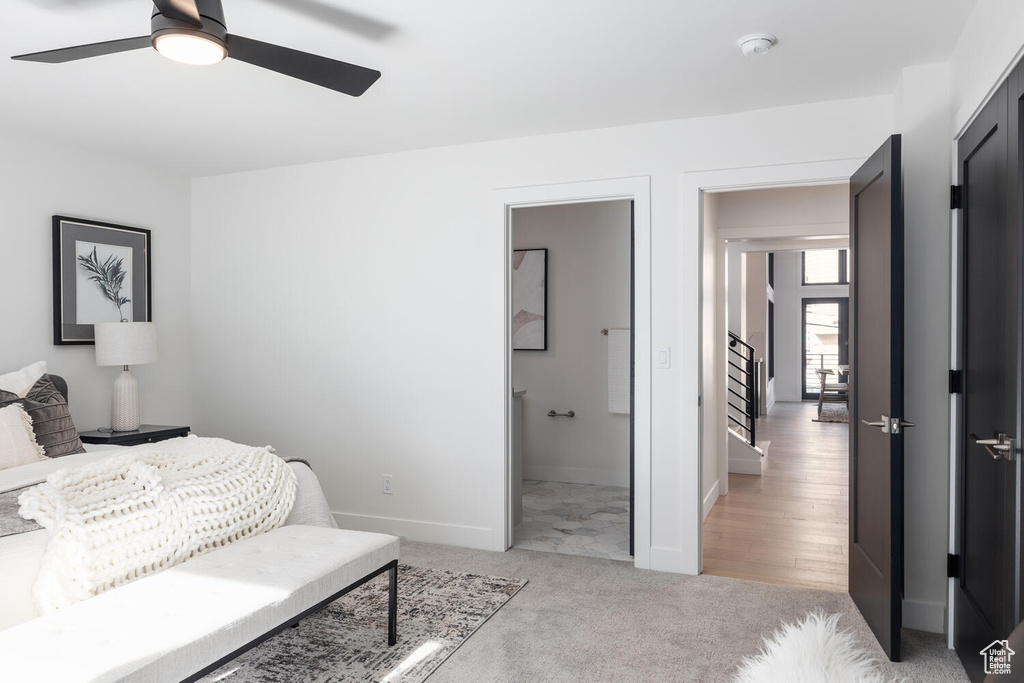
(125, 344)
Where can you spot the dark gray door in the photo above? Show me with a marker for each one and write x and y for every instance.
(986, 597)
(876, 400)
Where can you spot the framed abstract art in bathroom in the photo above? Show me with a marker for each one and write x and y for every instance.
(529, 299)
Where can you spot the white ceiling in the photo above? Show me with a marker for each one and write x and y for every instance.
(454, 71)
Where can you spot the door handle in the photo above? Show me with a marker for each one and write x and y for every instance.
(999, 447)
(883, 423)
(890, 425)
(899, 425)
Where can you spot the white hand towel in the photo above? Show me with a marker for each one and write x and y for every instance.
(618, 371)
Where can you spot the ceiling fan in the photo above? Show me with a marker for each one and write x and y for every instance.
(194, 32)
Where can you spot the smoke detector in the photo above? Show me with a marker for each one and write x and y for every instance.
(756, 44)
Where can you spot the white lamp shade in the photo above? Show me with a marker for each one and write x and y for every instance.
(125, 343)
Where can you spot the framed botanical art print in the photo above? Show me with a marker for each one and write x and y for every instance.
(101, 273)
(529, 299)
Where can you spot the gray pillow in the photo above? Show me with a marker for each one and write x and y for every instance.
(51, 418)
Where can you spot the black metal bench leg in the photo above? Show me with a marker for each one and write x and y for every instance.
(393, 604)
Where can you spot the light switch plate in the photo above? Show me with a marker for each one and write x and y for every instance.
(664, 357)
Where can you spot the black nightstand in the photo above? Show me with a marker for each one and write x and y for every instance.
(144, 434)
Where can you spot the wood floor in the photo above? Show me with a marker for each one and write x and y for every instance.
(788, 526)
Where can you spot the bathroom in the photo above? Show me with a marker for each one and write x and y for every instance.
(571, 372)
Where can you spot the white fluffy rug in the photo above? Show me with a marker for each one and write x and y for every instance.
(810, 651)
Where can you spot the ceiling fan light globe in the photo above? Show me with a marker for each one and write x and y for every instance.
(189, 49)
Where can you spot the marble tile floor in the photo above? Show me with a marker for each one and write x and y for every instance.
(575, 519)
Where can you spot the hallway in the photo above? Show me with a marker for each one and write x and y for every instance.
(788, 526)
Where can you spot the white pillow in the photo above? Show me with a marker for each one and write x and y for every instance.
(17, 440)
(20, 381)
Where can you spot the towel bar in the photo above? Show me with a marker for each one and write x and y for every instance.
(571, 413)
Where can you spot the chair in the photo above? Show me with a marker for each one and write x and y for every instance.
(836, 392)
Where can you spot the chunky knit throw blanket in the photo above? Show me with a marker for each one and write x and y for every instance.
(134, 514)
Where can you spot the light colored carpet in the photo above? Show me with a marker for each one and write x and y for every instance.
(591, 620)
(346, 642)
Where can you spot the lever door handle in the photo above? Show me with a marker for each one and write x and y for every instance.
(890, 425)
(884, 424)
(999, 447)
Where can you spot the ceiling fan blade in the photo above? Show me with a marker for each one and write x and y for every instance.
(329, 73)
(328, 12)
(182, 10)
(70, 54)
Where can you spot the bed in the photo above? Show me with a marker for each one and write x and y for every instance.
(314, 562)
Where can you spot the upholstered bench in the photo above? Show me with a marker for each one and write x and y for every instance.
(186, 621)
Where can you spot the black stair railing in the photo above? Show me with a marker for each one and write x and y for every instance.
(742, 385)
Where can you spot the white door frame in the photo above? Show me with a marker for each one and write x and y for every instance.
(695, 186)
(637, 189)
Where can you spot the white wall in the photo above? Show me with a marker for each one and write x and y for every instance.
(711, 359)
(588, 290)
(755, 318)
(789, 295)
(825, 205)
(989, 46)
(737, 280)
(822, 210)
(922, 111)
(787, 326)
(39, 180)
(359, 321)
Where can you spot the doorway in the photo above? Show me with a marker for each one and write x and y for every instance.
(825, 343)
(572, 363)
(637, 190)
(784, 519)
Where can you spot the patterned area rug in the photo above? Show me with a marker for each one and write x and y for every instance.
(347, 641)
(833, 412)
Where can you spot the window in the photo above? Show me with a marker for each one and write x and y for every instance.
(826, 337)
(826, 267)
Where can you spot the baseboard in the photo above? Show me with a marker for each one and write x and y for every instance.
(575, 475)
(745, 466)
(477, 538)
(710, 498)
(924, 616)
(670, 560)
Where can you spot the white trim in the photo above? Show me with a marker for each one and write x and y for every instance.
(711, 497)
(668, 560)
(694, 185)
(637, 189)
(478, 538)
(924, 616)
(985, 100)
(955, 400)
(745, 466)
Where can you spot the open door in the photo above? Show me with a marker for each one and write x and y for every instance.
(986, 598)
(876, 400)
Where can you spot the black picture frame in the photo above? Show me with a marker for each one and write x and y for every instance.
(533, 343)
(96, 272)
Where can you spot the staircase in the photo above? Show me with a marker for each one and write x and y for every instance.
(746, 453)
(742, 384)
(744, 458)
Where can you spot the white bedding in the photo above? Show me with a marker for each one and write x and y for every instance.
(21, 554)
(27, 475)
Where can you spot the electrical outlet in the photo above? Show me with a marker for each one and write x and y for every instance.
(387, 489)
